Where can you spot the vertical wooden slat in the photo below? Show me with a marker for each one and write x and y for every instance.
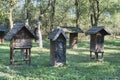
(52, 52)
(58, 51)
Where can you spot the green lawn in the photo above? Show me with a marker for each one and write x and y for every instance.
(79, 66)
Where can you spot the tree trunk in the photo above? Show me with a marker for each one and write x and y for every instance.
(95, 12)
(91, 19)
(10, 18)
(27, 2)
(77, 12)
(42, 11)
(39, 35)
(27, 22)
(52, 14)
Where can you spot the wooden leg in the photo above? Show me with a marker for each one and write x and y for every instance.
(26, 56)
(11, 56)
(102, 56)
(29, 56)
(96, 56)
(1, 40)
(90, 54)
(22, 53)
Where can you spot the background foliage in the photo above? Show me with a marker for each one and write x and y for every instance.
(64, 13)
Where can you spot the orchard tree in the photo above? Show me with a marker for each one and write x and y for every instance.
(96, 10)
(27, 10)
(52, 13)
(43, 7)
(11, 7)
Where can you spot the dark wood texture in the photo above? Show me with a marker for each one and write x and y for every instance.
(27, 55)
(20, 39)
(97, 45)
(97, 41)
(73, 40)
(57, 48)
(73, 35)
(2, 36)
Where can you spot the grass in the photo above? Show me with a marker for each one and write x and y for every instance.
(79, 66)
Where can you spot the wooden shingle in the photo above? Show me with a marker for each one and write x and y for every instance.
(15, 30)
(73, 35)
(55, 34)
(95, 30)
(3, 28)
(71, 29)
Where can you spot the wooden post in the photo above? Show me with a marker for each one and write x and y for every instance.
(26, 56)
(11, 56)
(29, 52)
(90, 54)
(96, 56)
(0, 40)
(102, 57)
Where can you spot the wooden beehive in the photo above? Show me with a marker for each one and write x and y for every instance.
(2, 33)
(73, 35)
(20, 38)
(57, 47)
(97, 40)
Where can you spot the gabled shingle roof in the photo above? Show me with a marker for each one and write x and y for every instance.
(55, 34)
(3, 28)
(15, 30)
(95, 30)
(70, 29)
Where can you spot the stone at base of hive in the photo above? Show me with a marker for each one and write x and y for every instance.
(100, 60)
(59, 64)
